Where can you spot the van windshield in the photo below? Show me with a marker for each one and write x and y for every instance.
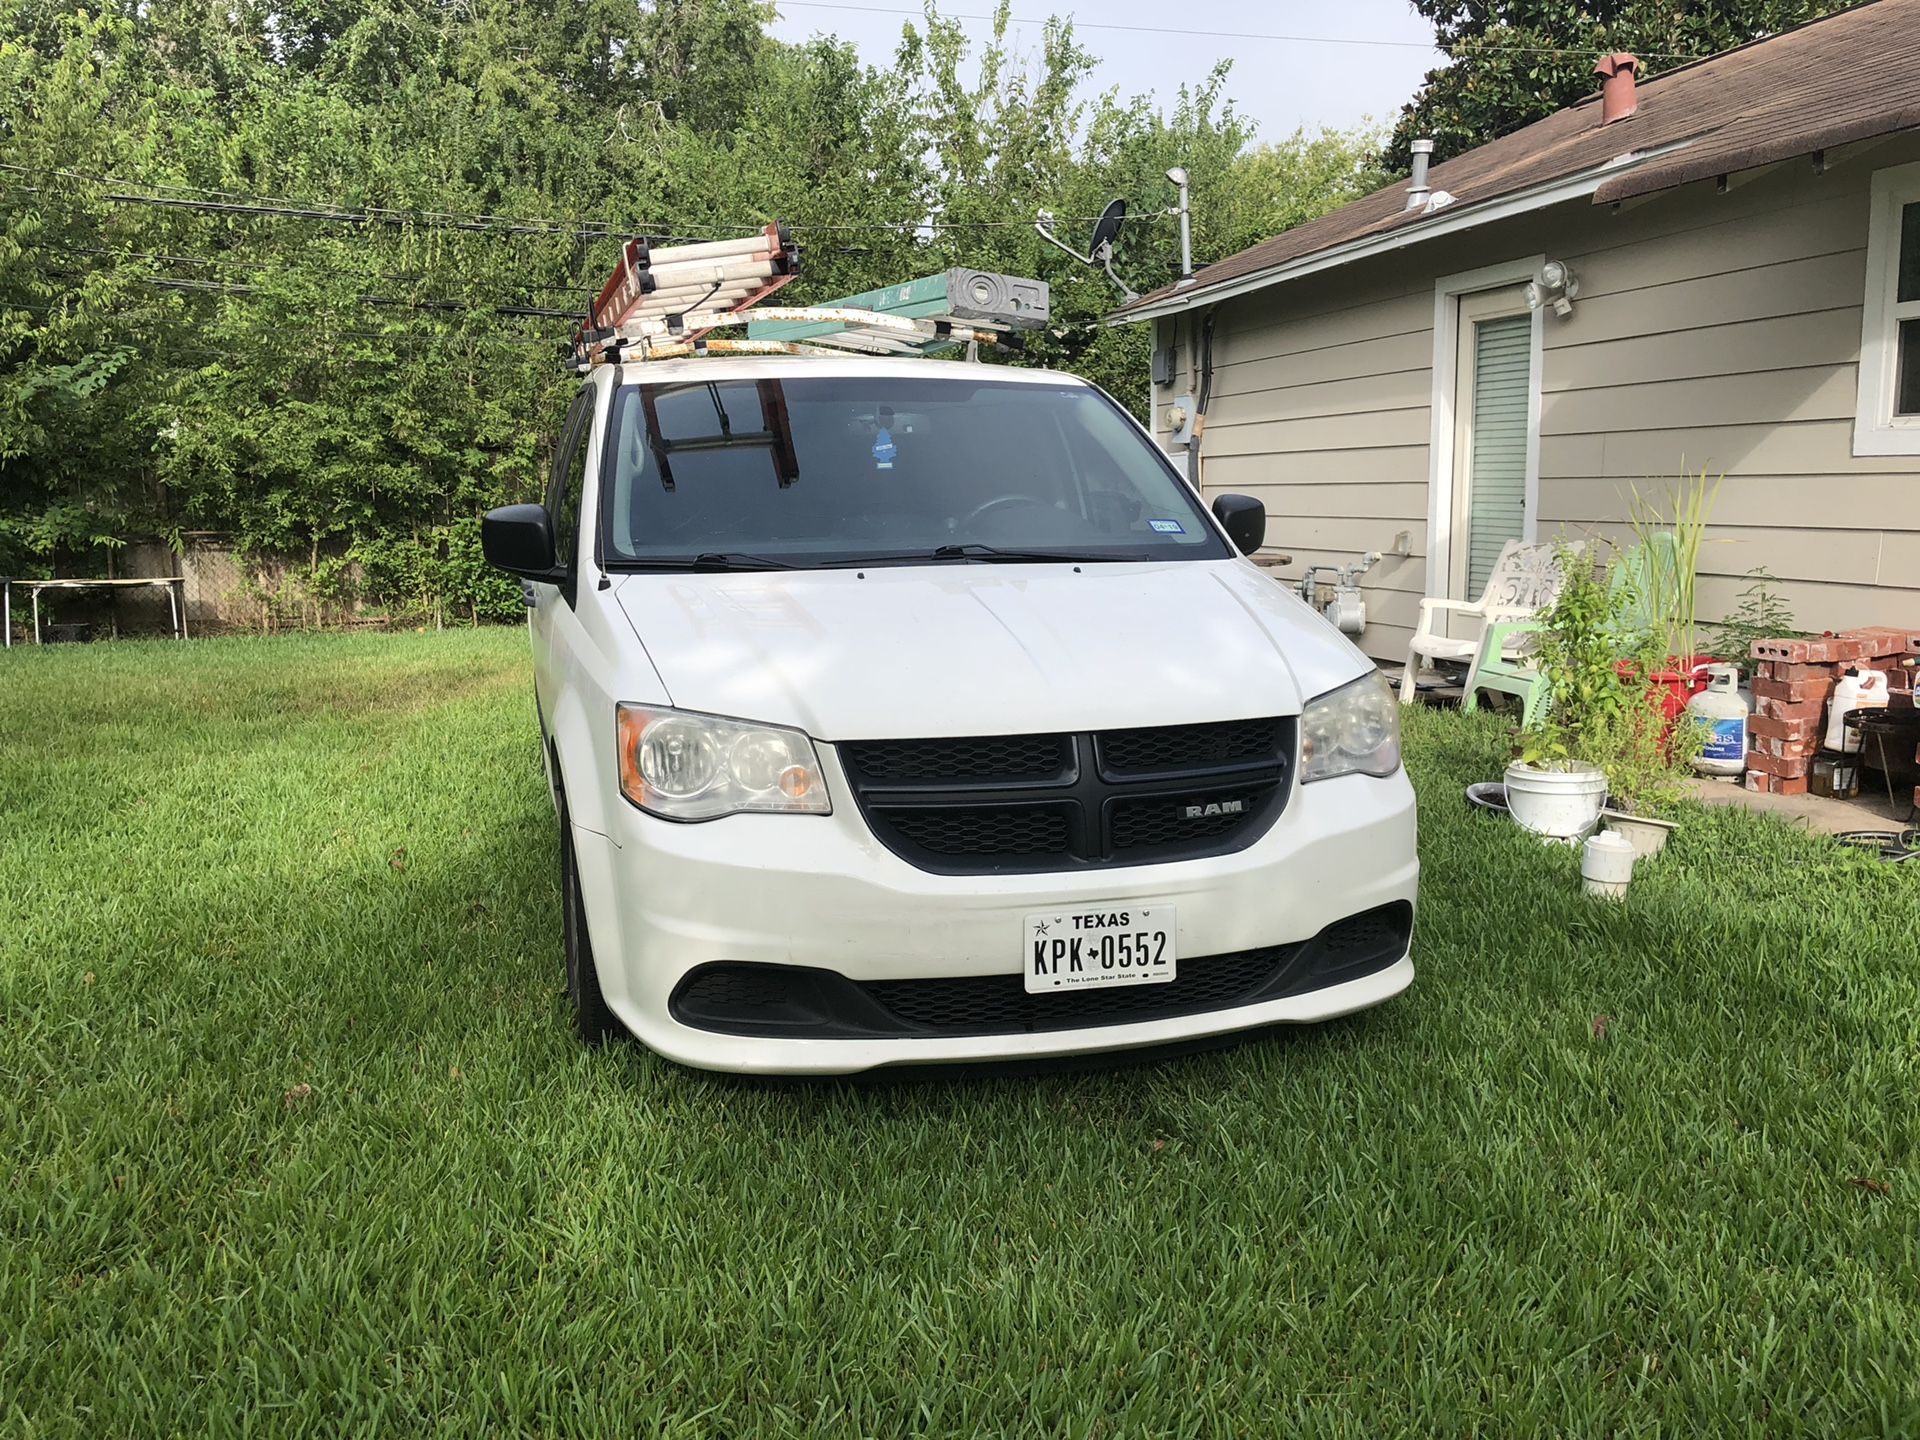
(805, 471)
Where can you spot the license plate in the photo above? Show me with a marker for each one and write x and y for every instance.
(1111, 945)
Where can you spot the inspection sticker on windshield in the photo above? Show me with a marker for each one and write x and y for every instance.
(1101, 945)
(1167, 527)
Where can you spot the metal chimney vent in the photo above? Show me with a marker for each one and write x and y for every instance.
(1417, 187)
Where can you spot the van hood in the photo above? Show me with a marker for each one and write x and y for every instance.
(986, 649)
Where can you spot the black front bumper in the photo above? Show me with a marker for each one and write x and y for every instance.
(802, 1002)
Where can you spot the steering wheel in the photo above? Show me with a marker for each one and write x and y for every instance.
(1001, 501)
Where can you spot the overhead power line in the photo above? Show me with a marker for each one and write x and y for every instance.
(283, 264)
(231, 202)
(525, 312)
(399, 302)
(1189, 31)
(385, 337)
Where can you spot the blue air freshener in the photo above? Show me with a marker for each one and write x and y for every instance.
(884, 449)
(1167, 527)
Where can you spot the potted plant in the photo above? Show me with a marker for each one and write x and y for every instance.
(1647, 762)
(1606, 666)
(1554, 789)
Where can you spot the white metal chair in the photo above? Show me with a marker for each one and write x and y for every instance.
(1526, 580)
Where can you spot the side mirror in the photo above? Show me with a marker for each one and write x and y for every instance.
(1244, 519)
(519, 540)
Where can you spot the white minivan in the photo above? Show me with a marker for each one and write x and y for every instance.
(902, 711)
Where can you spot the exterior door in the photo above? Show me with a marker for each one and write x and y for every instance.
(1494, 401)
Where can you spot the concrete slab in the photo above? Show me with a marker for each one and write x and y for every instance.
(1810, 812)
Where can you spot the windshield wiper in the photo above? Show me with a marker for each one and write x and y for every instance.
(712, 560)
(989, 555)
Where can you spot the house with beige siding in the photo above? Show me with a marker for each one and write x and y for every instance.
(1740, 244)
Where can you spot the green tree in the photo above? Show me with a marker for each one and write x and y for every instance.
(192, 337)
(1516, 61)
(73, 316)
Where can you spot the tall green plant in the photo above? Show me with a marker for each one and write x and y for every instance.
(1598, 656)
(1577, 652)
(1670, 535)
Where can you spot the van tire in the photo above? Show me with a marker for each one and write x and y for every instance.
(593, 1022)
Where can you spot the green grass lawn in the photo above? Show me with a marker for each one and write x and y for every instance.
(296, 1138)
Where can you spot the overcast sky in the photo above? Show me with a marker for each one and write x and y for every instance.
(1281, 83)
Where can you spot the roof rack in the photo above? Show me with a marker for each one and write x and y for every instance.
(955, 307)
(674, 293)
(663, 302)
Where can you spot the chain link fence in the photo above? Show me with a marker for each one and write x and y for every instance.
(224, 592)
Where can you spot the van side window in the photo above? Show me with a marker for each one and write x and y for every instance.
(569, 481)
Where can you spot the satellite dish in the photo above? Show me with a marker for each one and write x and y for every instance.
(1100, 252)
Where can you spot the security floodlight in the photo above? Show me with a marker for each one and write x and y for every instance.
(1555, 285)
(1178, 175)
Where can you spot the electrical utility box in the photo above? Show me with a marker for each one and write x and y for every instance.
(1011, 301)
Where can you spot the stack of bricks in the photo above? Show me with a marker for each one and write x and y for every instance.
(1794, 680)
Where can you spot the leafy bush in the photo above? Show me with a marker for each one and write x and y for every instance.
(1603, 709)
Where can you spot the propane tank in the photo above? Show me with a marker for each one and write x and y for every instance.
(1721, 713)
(1858, 690)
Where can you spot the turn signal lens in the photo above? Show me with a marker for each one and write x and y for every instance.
(686, 766)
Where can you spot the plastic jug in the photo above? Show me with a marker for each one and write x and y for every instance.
(1720, 711)
(1858, 690)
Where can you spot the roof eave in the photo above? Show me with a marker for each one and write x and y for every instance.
(1447, 221)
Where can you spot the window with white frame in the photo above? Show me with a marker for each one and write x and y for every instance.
(1887, 416)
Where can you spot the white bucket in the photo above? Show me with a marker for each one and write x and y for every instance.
(1606, 865)
(1559, 804)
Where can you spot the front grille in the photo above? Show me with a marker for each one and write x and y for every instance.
(1178, 820)
(986, 804)
(992, 757)
(799, 1001)
(1032, 830)
(1188, 747)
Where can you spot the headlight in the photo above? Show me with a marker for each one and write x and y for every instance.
(684, 766)
(1354, 730)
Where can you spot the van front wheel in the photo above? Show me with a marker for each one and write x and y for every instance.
(593, 1022)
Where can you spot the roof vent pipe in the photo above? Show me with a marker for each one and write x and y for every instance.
(1417, 187)
(1617, 100)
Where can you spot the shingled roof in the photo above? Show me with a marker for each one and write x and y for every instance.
(1851, 76)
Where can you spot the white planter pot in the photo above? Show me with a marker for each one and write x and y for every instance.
(1557, 804)
(1646, 834)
